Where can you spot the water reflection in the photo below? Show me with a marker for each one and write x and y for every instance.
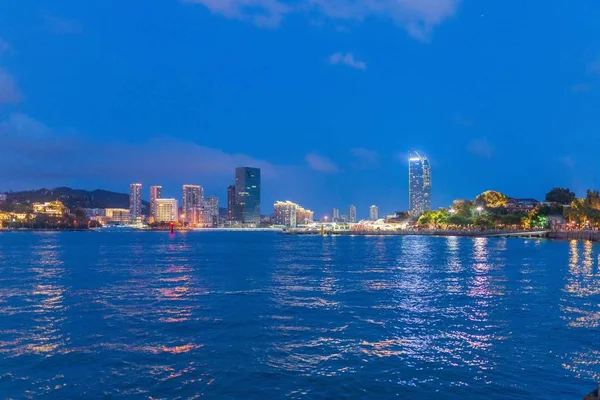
(582, 282)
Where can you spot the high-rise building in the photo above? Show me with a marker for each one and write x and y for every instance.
(335, 215)
(373, 213)
(352, 214)
(191, 196)
(304, 216)
(247, 195)
(135, 201)
(211, 211)
(166, 210)
(286, 213)
(419, 186)
(155, 193)
(231, 203)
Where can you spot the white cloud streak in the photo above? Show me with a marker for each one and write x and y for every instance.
(347, 59)
(417, 17)
(320, 163)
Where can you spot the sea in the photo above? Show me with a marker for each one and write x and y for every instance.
(257, 315)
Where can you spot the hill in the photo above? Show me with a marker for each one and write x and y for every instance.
(73, 198)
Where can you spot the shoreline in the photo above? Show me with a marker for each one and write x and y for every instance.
(593, 236)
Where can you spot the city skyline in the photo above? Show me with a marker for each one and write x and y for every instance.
(488, 110)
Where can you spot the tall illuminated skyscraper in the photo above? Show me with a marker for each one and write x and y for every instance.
(419, 183)
(211, 211)
(135, 201)
(231, 203)
(247, 195)
(191, 197)
(155, 193)
(352, 214)
(335, 215)
(373, 213)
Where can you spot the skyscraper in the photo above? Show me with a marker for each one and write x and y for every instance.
(231, 203)
(155, 193)
(166, 210)
(247, 195)
(191, 196)
(352, 213)
(135, 201)
(373, 213)
(211, 211)
(335, 215)
(419, 184)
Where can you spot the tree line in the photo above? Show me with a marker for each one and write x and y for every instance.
(489, 211)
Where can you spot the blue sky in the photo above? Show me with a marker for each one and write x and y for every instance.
(326, 96)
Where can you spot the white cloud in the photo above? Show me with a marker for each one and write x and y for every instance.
(32, 150)
(365, 158)
(347, 59)
(9, 92)
(320, 163)
(481, 147)
(417, 17)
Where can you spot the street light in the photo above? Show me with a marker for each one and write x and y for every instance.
(479, 209)
(452, 211)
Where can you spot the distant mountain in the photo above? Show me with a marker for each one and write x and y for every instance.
(73, 198)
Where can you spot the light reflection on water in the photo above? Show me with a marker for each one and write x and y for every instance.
(249, 315)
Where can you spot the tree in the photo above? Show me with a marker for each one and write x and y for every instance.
(492, 199)
(560, 195)
(464, 208)
(592, 199)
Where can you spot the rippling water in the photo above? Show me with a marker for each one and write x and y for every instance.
(259, 315)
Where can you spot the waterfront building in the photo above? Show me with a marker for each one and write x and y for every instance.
(247, 195)
(166, 210)
(155, 193)
(3, 197)
(231, 203)
(521, 205)
(211, 211)
(419, 183)
(192, 196)
(286, 213)
(304, 216)
(335, 215)
(352, 214)
(135, 201)
(95, 212)
(50, 208)
(119, 216)
(373, 213)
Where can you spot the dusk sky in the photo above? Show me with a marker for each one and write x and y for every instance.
(326, 96)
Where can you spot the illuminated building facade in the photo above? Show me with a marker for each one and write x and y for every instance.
(352, 214)
(135, 201)
(155, 193)
(166, 210)
(231, 203)
(335, 215)
(304, 216)
(286, 213)
(192, 196)
(373, 213)
(247, 195)
(211, 211)
(51, 208)
(118, 215)
(3, 197)
(419, 182)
